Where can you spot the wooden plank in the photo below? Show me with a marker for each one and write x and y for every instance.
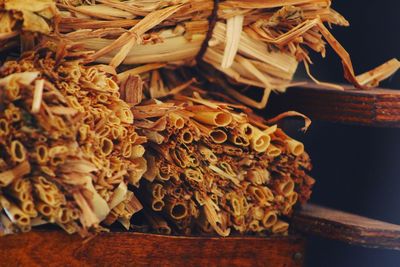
(376, 107)
(55, 248)
(343, 226)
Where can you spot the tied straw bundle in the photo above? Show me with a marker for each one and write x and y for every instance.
(253, 43)
(68, 148)
(256, 43)
(214, 169)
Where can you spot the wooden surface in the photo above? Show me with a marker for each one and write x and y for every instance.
(376, 107)
(339, 225)
(55, 248)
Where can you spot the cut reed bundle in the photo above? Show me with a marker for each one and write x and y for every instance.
(68, 148)
(214, 169)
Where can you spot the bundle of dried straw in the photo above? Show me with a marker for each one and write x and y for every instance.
(256, 43)
(73, 134)
(68, 147)
(214, 169)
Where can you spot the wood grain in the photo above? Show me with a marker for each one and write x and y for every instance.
(343, 226)
(55, 248)
(376, 107)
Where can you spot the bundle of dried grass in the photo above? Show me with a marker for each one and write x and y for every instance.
(253, 43)
(214, 169)
(68, 148)
(257, 43)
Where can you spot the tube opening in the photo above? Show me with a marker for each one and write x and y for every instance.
(218, 136)
(179, 123)
(187, 137)
(178, 211)
(222, 119)
(288, 188)
(158, 205)
(270, 219)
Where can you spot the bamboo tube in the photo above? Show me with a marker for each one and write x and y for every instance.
(157, 204)
(247, 130)
(176, 120)
(186, 136)
(219, 119)
(295, 147)
(20, 170)
(280, 227)
(18, 152)
(273, 151)
(286, 187)
(16, 215)
(270, 219)
(177, 210)
(260, 141)
(293, 198)
(218, 136)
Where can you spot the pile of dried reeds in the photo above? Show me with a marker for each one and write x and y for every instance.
(255, 43)
(68, 147)
(74, 134)
(213, 169)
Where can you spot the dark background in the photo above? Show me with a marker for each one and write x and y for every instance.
(357, 168)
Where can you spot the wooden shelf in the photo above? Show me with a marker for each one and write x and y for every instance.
(343, 226)
(376, 107)
(55, 248)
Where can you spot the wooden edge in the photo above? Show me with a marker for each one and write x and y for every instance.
(375, 107)
(55, 248)
(343, 226)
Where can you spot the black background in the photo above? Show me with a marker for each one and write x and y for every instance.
(357, 168)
